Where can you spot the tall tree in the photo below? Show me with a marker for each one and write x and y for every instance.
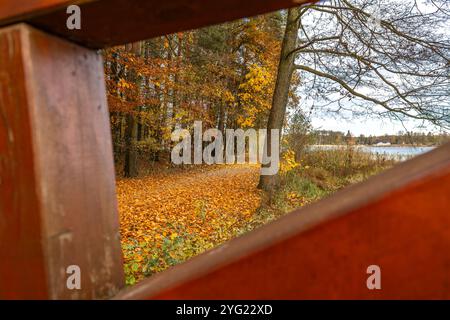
(370, 57)
(130, 168)
(282, 86)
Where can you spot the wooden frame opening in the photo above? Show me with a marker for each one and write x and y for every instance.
(57, 201)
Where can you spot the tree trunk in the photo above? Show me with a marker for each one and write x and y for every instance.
(130, 168)
(281, 92)
(221, 124)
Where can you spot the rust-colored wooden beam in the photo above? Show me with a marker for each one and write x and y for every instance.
(18, 10)
(112, 22)
(57, 188)
(399, 221)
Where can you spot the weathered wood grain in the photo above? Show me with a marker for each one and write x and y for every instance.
(399, 220)
(57, 188)
(112, 22)
(22, 272)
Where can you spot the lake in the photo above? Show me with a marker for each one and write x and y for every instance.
(397, 152)
(393, 152)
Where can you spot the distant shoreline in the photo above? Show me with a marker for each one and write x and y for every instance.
(377, 146)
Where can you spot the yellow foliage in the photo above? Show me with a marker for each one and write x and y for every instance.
(124, 84)
(255, 94)
(288, 161)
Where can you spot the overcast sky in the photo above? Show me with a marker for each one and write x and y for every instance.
(368, 126)
(372, 125)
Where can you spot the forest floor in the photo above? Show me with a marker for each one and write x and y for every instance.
(171, 215)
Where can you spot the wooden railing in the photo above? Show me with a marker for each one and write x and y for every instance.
(57, 200)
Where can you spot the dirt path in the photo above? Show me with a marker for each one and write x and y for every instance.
(206, 202)
(167, 218)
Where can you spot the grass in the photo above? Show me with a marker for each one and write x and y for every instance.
(319, 173)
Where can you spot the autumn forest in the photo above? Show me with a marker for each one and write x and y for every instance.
(192, 153)
(268, 71)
